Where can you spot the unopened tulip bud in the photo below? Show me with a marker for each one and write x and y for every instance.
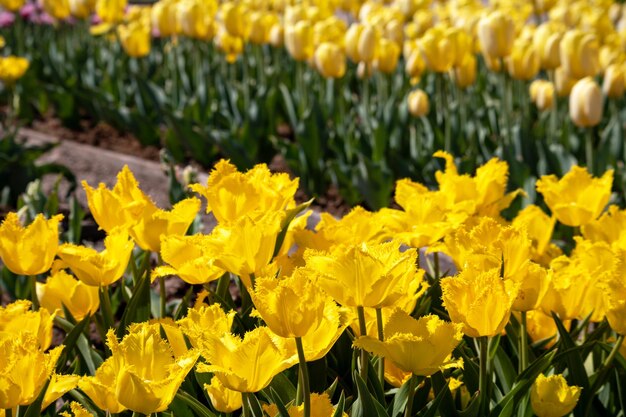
(330, 60)
(585, 103)
(563, 83)
(613, 85)
(299, 40)
(496, 33)
(465, 74)
(418, 103)
(542, 94)
(387, 57)
(580, 54)
(523, 62)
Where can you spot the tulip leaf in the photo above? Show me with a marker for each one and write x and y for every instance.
(364, 406)
(82, 345)
(283, 387)
(71, 339)
(253, 404)
(138, 308)
(290, 215)
(473, 407)
(440, 385)
(430, 410)
(400, 399)
(194, 404)
(340, 406)
(282, 410)
(34, 409)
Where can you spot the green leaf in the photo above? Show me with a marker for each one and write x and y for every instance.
(340, 405)
(194, 404)
(290, 215)
(34, 409)
(71, 339)
(138, 308)
(364, 405)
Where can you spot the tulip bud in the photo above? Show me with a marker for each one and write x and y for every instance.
(330, 60)
(547, 39)
(613, 85)
(542, 94)
(523, 62)
(164, 18)
(437, 49)
(585, 103)
(230, 45)
(12, 68)
(59, 9)
(277, 35)
(195, 18)
(562, 83)
(82, 9)
(418, 103)
(111, 11)
(579, 52)
(236, 19)
(135, 38)
(494, 64)
(496, 33)
(12, 5)
(415, 64)
(299, 40)
(368, 41)
(465, 74)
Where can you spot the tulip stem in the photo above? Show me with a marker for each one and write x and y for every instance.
(484, 375)
(589, 150)
(364, 354)
(162, 292)
(523, 344)
(409, 402)
(8, 412)
(304, 377)
(381, 337)
(33, 291)
(107, 311)
(606, 366)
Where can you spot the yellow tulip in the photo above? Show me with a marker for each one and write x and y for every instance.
(223, 399)
(541, 326)
(421, 346)
(230, 45)
(547, 40)
(542, 94)
(290, 306)
(361, 42)
(29, 250)
(99, 269)
(585, 103)
(465, 73)
(142, 374)
(231, 194)
(415, 65)
(539, 227)
(496, 33)
(615, 292)
(418, 103)
(480, 300)
(248, 364)
(260, 25)
(189, 257)
(77, 411)
(135, 38)
(195, 18)
(552, 397)
(533, 287)
(82, 9)
(25, 369)
(299, 40)
(364, 275)
(579, 52)
(164, 17)
(523, 62)
(609, 228)
(17, 318)
(63, 289)
(320, 407)
(577, 198)
(204, 322)
(330, 60)
(59, 386)
(120, 207)
(614, 79)
(59, 9)
(111, 11)
(12, 5)
(277, 35)
(155, 223)
(438, 50)
(236, 19)
(247, 246)
(563, 83)
(387, 57)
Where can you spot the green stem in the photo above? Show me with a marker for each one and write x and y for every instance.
(554, 112)
(245, 407)
(589, 150)
(484, 375)
(304, 377)
(364, 354)
(409, 403)
(523, 344)
(162, 292)
(606, 366)
(381, 337)
(504, 86)
(447, 144)
(436, 269)
(33, 291)
(614, 351)
(8, 412)
(107, 311)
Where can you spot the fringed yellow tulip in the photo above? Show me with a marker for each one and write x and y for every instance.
(320, 407)
(142, 374)
(95, 268)
(480, 300)
(120, 207)
(248, 364)
(539, 227)
(204, 322)
(77, 411)
(17, 318)
(290, 306)
(59, 386)
(190, 257)
(223, 399)
(577, 198)
(231, 194)
(12, 68)
(62, 289)
(24, 369)
(552, 397)
(155, 223)
(421, 346)
(365, 275)
(29, 250)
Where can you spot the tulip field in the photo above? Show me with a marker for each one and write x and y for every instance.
(477, 148)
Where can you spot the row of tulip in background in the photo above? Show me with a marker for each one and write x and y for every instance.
(352, 94)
